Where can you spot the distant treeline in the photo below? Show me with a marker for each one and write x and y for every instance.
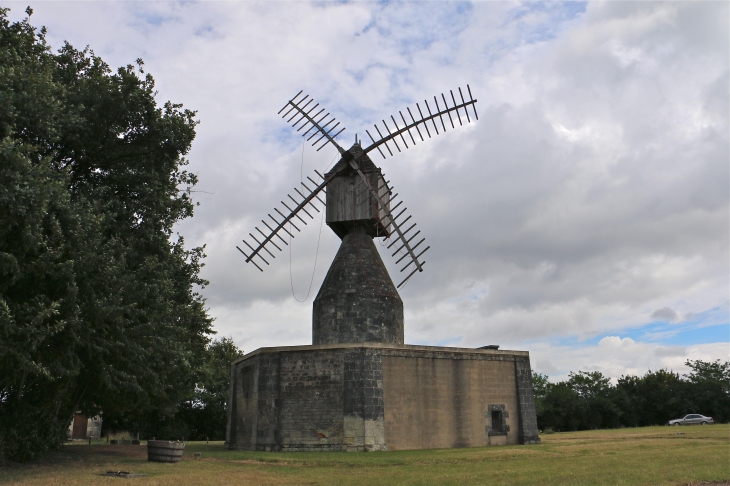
(588, 400)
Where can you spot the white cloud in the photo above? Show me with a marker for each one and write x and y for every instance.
(591, 194)
(615, 356)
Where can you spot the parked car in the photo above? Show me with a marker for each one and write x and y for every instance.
(692, 419)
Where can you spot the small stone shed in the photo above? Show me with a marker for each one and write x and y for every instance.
(83, 427)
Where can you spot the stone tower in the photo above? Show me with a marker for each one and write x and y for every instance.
(358, 302)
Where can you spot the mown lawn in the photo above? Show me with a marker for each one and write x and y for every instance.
(643, 456)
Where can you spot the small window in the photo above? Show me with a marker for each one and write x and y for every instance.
(496, 417)
(496, 422)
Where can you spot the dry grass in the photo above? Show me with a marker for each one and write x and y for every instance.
(645, 456)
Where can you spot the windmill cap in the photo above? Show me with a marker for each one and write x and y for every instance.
(355, 152)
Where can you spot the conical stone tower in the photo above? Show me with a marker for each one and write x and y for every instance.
(358, 302)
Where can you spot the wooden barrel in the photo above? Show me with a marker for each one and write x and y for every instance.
(164, 450)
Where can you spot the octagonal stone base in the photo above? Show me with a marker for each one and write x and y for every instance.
(376, 397)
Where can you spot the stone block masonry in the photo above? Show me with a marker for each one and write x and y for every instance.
(374, 397)
(357, 302)
(526, 401)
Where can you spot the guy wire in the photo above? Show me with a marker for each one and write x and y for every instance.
(316, 255)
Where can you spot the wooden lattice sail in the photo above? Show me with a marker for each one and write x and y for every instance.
(356, 190)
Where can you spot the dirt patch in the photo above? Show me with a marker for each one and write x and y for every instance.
(130, 451)
(257, 462)
(81, 453)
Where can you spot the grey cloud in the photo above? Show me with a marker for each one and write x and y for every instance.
(545, 367)
(665, 313)
(592, 189)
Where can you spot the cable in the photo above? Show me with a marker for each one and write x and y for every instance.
(319, 238)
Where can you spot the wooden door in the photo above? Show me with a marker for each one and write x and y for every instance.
(80, 423)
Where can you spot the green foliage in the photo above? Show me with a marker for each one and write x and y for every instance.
(710, 372)
(206, 412)
(710, 384)
(588, 400)
(562, 408)
(97, 303)
(540, 384)
(199, 416)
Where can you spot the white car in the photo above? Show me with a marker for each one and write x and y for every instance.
(692, 419)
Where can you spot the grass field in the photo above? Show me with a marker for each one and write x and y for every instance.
(651, 455)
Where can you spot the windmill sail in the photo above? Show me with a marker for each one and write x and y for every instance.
(422, 122)
(279, 223)
(320, 126)
(403, 239)
(303, 112)
(389, 221)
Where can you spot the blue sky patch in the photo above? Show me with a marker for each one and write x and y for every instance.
(679, 335)
(554, 15)
(710, 326)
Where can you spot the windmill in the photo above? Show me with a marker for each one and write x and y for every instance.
(359, 387)
(358, 301)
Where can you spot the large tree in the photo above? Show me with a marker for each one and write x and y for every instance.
(98, 308)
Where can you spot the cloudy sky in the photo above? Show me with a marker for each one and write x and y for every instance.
(583, 218)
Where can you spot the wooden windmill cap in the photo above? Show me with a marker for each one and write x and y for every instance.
(366, 165)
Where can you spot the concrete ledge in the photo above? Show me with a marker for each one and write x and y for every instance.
(389, 347)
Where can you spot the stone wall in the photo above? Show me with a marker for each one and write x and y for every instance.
(526, 401)
(370, 397)
(242, 430)
(311, 415)
(440, 400)
(363, 400)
